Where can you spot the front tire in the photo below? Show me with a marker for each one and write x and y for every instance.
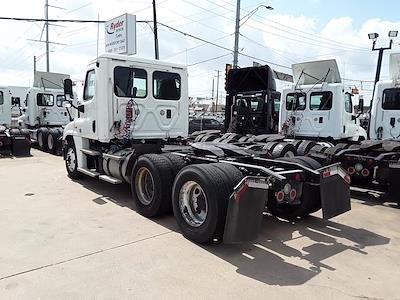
(71, 161)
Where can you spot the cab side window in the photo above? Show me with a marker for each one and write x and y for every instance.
(391, 99)
(321, 101)
(1, 98)
(166, 85)
(130, 82)
(45, 99)
(90, 85)
(59, 100)
(348, 104)
(296, 101)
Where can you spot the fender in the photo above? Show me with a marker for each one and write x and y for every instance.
(70, 130)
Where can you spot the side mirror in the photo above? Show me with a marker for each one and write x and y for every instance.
(81, 108)
(68, 88)
(361, 106)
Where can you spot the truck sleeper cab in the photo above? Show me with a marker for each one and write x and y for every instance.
(132, 127)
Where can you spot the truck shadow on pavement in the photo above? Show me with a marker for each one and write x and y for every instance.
(285, 254)
(372, 198)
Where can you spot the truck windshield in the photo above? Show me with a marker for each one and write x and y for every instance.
(296, 101)
(391, 99)
(256, 104)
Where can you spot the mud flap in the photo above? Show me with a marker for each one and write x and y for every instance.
(245, 212)
(393, 180)
(335, 195)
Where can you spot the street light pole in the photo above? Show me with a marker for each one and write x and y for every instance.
(155, 30)
(237, 28)
(46, 15)
(380, 57)
(236, 49)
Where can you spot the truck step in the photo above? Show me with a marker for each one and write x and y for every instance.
(90, 173)
(110, 179)
(113, 157)
(90, 152)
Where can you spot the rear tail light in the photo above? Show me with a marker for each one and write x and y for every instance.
(297, 177)
(365, 172)
(280, 196)
(347, 179)
(293, 194)
(351, 170)
(370, 162)
(326, 174)
(349, 158)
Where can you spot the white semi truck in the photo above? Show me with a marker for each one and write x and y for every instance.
(317, 112)
(45, 113)
(132, 127)
(12, 140)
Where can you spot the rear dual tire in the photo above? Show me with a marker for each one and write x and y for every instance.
(200, 200)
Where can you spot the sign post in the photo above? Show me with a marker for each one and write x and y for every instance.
(120, 35)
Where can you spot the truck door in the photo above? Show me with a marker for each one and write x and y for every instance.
(4, 119)
(86, 121)
(294, 106)
(350, 126)
(45, 103)
(389, 117)
(318, 121)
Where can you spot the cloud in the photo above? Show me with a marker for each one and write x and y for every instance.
(269, 38)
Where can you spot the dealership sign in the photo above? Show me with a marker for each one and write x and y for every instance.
(120, 35)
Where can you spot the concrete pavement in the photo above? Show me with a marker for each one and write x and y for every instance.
(61, 239)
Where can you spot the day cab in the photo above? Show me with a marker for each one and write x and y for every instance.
(318, 105)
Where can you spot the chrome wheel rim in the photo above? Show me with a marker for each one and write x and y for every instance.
(144, 185)
(193, 204)
(71, 160)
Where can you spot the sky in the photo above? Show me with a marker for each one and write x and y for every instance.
(293, 32)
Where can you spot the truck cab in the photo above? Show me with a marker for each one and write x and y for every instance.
(252, 102)
(319, 105)
(127, 98)
(385, 108)
(45, 107)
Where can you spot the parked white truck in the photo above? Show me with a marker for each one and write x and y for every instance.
(132, 126)
(317, 112)
(12, 140)
(45, 113)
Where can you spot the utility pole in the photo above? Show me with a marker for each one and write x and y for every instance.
(46, 16)
(155, 30)
(236, 49)
(216, 101)
(34, 64)
(212, 97)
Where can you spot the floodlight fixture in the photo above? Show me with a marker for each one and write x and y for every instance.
(373, 36)
(393, 33)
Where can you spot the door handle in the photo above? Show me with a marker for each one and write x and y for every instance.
(392, 122)
(321, 120)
